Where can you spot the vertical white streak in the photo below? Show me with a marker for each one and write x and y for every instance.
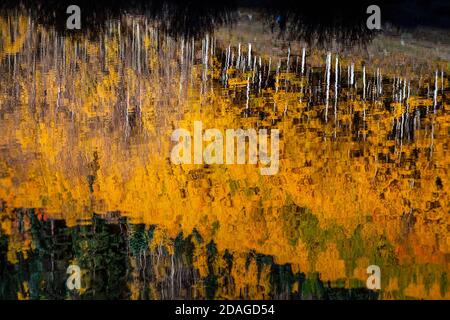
(352, 74)
(249, 55)
(248, 92)
(348, 75)
(364, 83)
(336, 76)
(404, 90)
(435, 91)
(328, 67)
(239, 56)
(288, 59)
(303, 60)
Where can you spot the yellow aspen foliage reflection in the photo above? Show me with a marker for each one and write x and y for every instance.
(86, 129)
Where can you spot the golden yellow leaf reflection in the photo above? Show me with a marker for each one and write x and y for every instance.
(363, 179)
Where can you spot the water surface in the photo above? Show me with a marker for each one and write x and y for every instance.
(86, 177)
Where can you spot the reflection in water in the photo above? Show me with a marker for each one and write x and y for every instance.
(85, 176)
(178, 18)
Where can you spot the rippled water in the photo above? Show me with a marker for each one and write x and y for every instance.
(86, 177)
